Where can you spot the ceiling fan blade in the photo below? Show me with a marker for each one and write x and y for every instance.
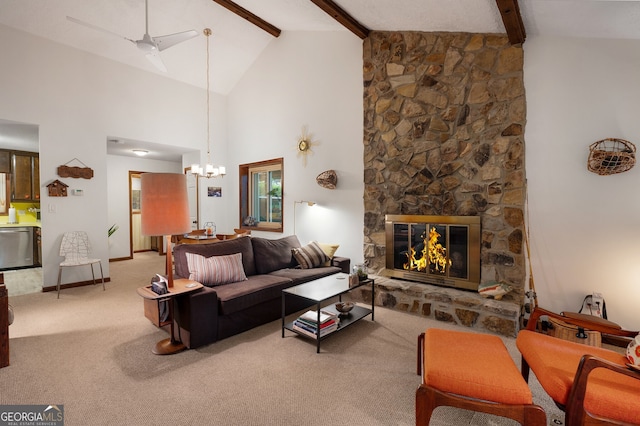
(166, 41)
(156, 60)
(94, 27)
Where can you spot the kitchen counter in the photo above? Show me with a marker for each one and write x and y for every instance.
(15, 225)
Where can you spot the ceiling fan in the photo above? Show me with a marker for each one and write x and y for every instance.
(150, 46)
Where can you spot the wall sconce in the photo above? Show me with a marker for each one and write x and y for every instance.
(140, 152)
(309, 203)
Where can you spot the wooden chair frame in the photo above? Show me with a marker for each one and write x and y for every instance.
(575, 413)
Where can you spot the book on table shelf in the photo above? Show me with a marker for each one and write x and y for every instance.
(312, 316)
(313, 327)
(307, 323)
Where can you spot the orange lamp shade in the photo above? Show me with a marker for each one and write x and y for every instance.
(164, 204)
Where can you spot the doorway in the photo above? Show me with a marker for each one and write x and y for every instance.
(137, 242)
(22, 138)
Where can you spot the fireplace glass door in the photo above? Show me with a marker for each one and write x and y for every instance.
(442, 252)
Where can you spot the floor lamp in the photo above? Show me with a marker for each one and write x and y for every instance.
(164, 210)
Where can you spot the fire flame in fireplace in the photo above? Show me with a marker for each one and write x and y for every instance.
(432, 251)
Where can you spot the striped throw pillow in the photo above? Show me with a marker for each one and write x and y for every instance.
(216, 270)
(309, 256)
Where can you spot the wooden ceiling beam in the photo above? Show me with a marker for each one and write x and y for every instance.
(340, 15)
(254, 19)
(512, 20)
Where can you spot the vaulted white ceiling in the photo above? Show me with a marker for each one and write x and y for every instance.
(236, 43)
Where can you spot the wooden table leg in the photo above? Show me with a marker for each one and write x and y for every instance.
(170, 345)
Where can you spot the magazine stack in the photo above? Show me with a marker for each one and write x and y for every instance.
(307, 323)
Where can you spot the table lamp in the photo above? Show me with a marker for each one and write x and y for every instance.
(164, 209)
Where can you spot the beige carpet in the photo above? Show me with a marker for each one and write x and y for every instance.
(91, 351)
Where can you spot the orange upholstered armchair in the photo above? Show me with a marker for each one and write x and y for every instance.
(591, 384)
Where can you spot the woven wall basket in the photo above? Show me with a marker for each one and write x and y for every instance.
(611, 156)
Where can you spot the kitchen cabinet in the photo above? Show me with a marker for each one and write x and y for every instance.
(5, 179)
(35, 176)
(25, 180)
(5, 161)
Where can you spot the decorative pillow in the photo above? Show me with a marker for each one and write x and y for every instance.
(633, 351)
(329, 250)
(271, 255)
(216, 270)
(309, 256)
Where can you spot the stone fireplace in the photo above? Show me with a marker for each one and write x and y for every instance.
(444, 117)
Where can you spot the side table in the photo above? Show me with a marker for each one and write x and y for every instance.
(170, 345)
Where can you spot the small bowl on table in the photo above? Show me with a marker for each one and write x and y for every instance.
(344, 307)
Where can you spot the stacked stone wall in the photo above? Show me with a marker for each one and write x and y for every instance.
(444, 117)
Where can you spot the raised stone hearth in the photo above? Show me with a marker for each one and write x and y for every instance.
(449, 305)
(444, 118)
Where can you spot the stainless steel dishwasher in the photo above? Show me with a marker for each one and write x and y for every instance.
(16, 247)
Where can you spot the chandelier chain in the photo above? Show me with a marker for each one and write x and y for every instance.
(209, 170)
(207, 32)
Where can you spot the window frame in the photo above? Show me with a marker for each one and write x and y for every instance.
(247, 194)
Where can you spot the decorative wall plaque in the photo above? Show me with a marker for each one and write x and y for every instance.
(75, 171)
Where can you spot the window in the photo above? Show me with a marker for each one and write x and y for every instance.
(261, 186)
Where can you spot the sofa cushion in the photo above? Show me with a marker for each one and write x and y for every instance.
(271, 255)
(257, 289)
(220, 248)
(329, 250)
(216, 270)
(309, 256)
(301, 276)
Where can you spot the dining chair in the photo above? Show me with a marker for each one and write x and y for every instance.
(75, 248)
(226, 236)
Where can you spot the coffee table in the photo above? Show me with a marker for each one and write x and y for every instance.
(319, 291)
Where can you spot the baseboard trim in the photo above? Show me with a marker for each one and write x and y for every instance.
(72, 285)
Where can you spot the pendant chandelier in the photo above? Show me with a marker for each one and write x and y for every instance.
(209, 170)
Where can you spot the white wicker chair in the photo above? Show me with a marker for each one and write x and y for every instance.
(75, 249)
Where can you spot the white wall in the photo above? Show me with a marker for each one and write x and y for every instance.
(118, 169)
(585, 228)
(78, 99)
(311, 79)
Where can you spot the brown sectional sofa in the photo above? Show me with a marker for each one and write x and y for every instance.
(214, 313)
